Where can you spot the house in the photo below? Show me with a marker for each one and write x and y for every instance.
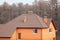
(28, 27)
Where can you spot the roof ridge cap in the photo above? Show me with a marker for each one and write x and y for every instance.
(38, 19)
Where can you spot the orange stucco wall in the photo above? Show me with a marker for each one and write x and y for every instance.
(27, 34)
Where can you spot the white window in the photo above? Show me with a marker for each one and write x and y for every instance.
(35, 30)
(50, 30)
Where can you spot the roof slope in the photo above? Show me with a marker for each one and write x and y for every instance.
(6, 31)
(33, 21)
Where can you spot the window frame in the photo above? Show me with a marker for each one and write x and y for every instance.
(50, 30)
(19, 35)
(35, 31)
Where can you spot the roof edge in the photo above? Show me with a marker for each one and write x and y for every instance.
(5, 37)
(32, 27)
(54, 24)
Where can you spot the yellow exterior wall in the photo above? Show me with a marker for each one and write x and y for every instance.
(46, 35)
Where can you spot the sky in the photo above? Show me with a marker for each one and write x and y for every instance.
(17, 1)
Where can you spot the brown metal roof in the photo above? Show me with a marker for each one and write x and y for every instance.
(6, 31)
(33, 21)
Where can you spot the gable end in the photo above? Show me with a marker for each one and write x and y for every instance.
(53, 24)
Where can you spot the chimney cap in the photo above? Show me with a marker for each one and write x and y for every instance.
(45, 16)
(30, 12)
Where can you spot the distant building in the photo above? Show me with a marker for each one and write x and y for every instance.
(28, 27)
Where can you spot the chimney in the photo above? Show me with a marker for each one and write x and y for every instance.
(45, 19)
(25, 19)
(30, 12)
